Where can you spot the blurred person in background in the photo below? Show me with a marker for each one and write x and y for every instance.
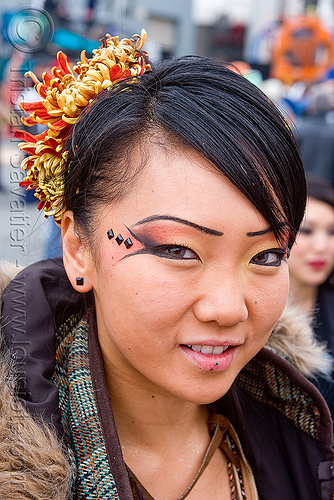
(311, 261)
(315, 131)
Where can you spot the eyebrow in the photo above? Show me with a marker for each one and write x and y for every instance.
(259, 233)
(186, 222)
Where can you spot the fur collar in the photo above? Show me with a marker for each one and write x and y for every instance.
(33, 464)
(293, 339)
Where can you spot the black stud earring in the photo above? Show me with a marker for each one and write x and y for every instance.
(110, 234)
(79, 281)
(119, 239)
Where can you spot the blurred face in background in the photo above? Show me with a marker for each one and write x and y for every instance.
(312, 256)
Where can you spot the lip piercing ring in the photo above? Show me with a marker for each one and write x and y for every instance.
(216, 363)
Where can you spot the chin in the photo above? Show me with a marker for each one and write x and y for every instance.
(208, 395)
(316, 281)
(208, 399)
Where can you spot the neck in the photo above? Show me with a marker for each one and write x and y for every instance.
(305, 295)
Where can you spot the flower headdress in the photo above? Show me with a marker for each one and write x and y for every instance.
(64, 95)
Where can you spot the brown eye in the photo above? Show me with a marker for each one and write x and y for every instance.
(273, 257)
(176, 252)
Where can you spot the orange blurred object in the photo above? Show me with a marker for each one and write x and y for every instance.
(303, 51)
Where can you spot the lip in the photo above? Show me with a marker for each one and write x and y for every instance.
(317, 265)
(211, 362)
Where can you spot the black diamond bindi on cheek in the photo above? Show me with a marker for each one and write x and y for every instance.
(110, 234)
(119, 239)
(128, 243)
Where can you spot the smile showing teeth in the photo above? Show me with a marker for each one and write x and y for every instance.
(209, 349)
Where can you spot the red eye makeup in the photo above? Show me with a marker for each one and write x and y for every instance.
(162, 239)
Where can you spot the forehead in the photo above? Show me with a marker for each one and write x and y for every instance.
(181, 183)
(317, 210)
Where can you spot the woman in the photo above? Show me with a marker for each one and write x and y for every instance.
(312, 260)
(176, 221)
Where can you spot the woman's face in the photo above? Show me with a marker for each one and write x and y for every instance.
(182, 310)
(312, 256)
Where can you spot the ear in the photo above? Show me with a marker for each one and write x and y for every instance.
(77, 258)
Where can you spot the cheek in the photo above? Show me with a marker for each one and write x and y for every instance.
(270, 304)
(300, 248)
(297, 257)
(120, 247)
(139, 298)
(264, 310)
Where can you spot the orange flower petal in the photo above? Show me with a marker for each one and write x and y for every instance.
(63, 63)
(24, 136)
(32, 76)
(46, 78)
(31, 106)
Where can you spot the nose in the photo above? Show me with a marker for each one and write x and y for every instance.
(222, 301)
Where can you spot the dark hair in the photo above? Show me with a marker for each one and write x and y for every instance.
(320, 189)
(197, 103)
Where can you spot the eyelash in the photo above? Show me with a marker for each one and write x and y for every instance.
(162, 251)
(280, 253)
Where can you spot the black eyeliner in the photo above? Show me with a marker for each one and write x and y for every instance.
(281, 252)
(157, 250)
